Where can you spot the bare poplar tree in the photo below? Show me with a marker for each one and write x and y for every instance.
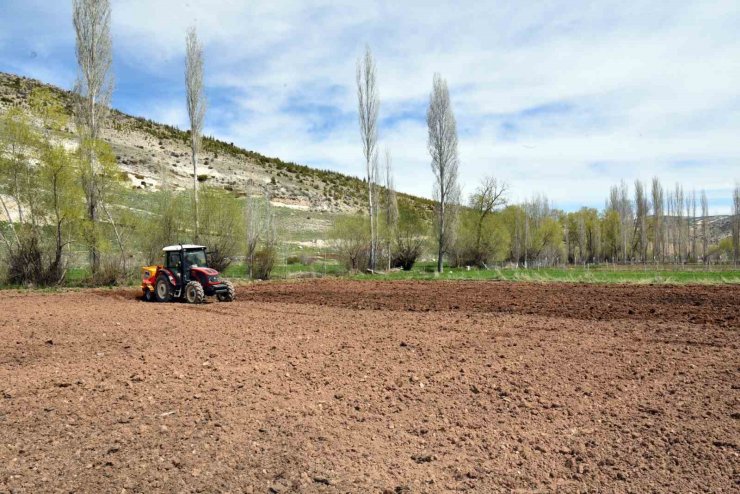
(581, 233)
(736, 223)
(93, 90)
(196, 102)
(619, 202)
(596, 243)
(442, 145)
(704, 226)
(252, 230)
(390, 205)
(670, 223)
(375, 208)
(658, 211)
(691, 212)
(679, 222)
(368, 106)
(641, 205)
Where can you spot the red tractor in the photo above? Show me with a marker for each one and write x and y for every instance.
(186, 276)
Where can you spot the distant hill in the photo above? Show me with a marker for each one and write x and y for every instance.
(147, 151)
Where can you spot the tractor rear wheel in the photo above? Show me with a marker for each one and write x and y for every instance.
(163, 289)
(230, 294)
(194, 293)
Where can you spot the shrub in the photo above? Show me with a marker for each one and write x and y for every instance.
(28, 264)
(293, 260)
(110, 273)
(406, 256)
(408, 243)
(264, 261)
(218, 260)
(352, 242)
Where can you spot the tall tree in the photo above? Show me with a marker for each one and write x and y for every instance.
(581, 231)
(658, 211)
(94, 87)
(641, 206)
(442, 145)
(704, 225)
(251, 220)
(368, 106)
(619, 202)
(691, 212)
(736, 223)
(61, 198)
(196, 103)
(678, 203)
(390, 204)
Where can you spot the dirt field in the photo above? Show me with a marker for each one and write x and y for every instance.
(337, 386)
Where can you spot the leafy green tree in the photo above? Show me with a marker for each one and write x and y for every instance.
(61, 195)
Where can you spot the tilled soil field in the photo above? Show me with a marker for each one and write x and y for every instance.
(338, 386)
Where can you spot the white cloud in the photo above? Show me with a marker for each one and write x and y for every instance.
(542, 91)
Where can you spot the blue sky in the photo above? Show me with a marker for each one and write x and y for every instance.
(561, 98)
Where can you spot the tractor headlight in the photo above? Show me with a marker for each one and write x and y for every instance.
(213, 279)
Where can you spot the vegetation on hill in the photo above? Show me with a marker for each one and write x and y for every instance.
(345, 191)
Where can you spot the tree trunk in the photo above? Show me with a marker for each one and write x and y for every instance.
(195, 195)
(440, 253)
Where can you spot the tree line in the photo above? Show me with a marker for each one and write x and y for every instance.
(633, 228)
(652, 224)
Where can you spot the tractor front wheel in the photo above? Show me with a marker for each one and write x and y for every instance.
(230, 294)
(194, 293)
(163, 290)
(148, 295)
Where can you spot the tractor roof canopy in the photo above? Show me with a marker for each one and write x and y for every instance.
(171, 248)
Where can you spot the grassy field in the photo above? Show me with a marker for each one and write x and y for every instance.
(319, 267)
(572, 274)
(636, 274)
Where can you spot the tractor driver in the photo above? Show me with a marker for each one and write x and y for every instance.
(192, 259)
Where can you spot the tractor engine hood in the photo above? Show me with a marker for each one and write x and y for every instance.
(205, 271)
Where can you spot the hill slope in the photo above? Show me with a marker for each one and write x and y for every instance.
(149, 152)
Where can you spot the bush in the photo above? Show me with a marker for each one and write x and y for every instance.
(410, 235)
(293, 260)
(218, 260)
(352, 242)
(406, 256)
(110, 273)
(264, 261)
(26, 264)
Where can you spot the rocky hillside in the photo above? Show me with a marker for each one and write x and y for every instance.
(149, 152)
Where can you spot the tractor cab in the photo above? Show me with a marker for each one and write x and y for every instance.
(180, 260)
(184, 275)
